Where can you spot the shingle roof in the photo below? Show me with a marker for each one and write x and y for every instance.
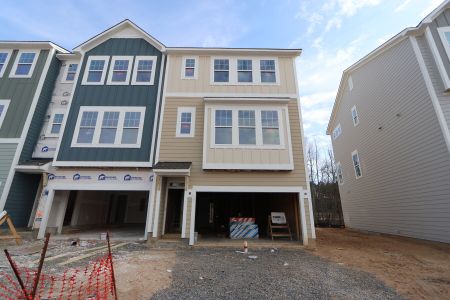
(169, 165)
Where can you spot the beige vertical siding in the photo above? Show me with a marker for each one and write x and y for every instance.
(203, 84)
(191, 149)
(405, 163)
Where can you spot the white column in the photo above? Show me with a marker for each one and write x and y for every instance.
(303, 218)
(46, 216)
(62, 210)
(150, 208)
(157, 206)
(311, 213)
(192, 229)
(183, 226)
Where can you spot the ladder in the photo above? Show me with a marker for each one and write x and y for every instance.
(281, 230)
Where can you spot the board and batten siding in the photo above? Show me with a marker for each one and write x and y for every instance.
(404, 188)
(113, 95)
(21, 92)
(191, 150)
(175, 84)
(7, 152)
(443, 20)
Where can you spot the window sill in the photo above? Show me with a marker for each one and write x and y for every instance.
(256, 167)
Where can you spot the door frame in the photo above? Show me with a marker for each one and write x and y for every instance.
(166, 197)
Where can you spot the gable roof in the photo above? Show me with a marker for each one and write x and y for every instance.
(105, 35)
(379, 50)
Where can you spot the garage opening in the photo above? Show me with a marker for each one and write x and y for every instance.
(214, 210)
(87, 214)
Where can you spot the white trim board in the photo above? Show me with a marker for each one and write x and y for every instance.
(180, 111)
(230, 95)
(5, 64)
(137, 164)
(161, 115)
(5, 103)
(247, 189)
(437, 56)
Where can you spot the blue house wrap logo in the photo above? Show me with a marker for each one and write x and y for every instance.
(76, 177)
(44, 149)
(103, 177)
(81, 177)
(52, 176)
(128, 177)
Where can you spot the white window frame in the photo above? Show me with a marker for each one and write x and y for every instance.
(5, 64)
(355, 122)
(359, 164)
(337, 131)
(350, 83)
(445, 43)
(252, 70)
(235, 127)
(233, 70)
(111, 70)
(12, 74)
(183, 67)
(135, 70)
(48, 132)
(339, 168)
(4, 102)
(181, 110)
(98, 126)
(66, 71)
(86, 69)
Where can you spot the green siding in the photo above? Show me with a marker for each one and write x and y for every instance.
(110, 95)
(20, 91)
(7, 152)
(41, 109)
(21, 197)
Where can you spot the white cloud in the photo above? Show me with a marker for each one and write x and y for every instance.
(431, 6)
(334, 22)
(315, 99)
(402, 6)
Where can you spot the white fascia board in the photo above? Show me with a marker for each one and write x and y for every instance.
(248, 189)
(268, 51)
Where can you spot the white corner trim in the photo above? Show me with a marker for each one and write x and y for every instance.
(301, 203)
(154, 60)
(87, 66)
(184, 221)
(150, 208)
(26, 127)
(434, 99)
(158, 106)
(5, 64)
(111, 70)
(13, 74)
(183, 67)
(185, 109)
(5, 104)
(163, 107)
(308, 198)
(437, 56)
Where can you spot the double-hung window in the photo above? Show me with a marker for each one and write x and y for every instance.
(223, 127)
(270, 127)
(189, 70)
(144, 70)
(340, 176)
(244, 69)
(109, 126)
(355, 117)
(69, 73)
(185, 122)
(221, 70)
(356, 164)
(3, 108)
(5, 55)
(55, 123)
(95, 71)
(247, 127)
(120, 70)
(337, 131)
(24, 64)
(268, 71)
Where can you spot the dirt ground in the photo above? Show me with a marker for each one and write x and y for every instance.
(416, 269)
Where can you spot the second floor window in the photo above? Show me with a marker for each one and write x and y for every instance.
(223, 127)
(109, 126)
(244, 69)
(247, 127)
(4, 58)
(221, 70)
(270, 127)
(356, 164)
(355, 117)
(185, 122)
(120, 70)
(95, 70)
(337, 132)
(267, 67)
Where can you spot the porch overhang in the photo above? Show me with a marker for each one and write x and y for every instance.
(172, 168)
(34, 166)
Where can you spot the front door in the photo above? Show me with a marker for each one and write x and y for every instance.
(174, 210)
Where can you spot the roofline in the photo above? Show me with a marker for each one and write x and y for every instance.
(293, 51)
(162, 47)
(379, 50)
(37, 43)
(68, 56)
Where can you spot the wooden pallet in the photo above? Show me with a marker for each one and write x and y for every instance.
(4, 217)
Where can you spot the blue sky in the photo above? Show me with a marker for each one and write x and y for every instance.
(332, 33)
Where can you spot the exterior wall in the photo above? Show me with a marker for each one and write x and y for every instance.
(21, 92)
(203, 84)
(191, 149)
(60, 100)
(404, 159)
(7, 152)
(113, 95)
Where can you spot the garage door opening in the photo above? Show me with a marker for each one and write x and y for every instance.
(214, 210)
(87, 214)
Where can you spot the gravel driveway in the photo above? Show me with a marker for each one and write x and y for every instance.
(283, 274)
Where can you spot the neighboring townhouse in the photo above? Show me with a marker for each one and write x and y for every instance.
(171, 142)
(390, 134)
(230, 144)
(27, 75)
